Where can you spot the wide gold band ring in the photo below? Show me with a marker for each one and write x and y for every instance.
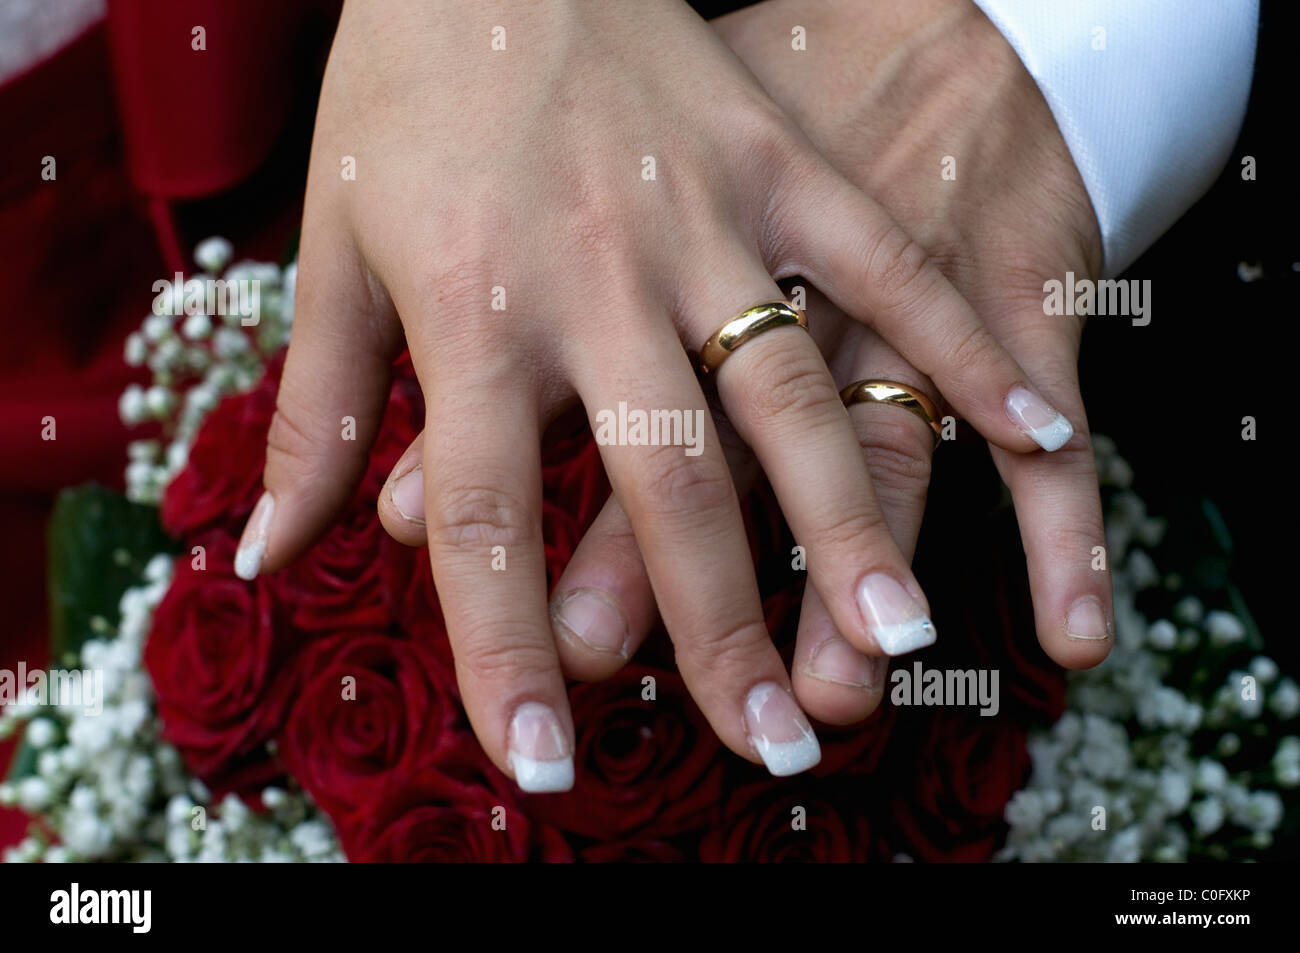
(900, 395)
(746, 326)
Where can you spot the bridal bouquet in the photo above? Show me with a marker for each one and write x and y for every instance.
(313, 714)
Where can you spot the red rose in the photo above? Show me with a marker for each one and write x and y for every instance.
(951, 798)
(337, 584)
(411, 601)
(436, 817)
(561, 534)
(215, 655)
(223, 478)
(640, 765)
(788, 821)
(856, 749)
(573, 475)
(370, 710)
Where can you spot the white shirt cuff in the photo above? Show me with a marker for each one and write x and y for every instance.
(1148, 94)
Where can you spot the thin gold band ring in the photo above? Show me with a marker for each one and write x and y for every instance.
(744, 327)
(899, 395)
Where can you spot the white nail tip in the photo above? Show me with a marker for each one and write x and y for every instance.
(906, 636)
(541, 777)
(785, 758)
(1055, 435)
(252, 545)
(248, 560)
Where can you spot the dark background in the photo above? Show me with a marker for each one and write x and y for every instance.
(1172, 394)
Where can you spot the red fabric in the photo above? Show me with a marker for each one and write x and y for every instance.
(197, 121)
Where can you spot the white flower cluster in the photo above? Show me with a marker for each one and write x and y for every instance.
(195, 361)
(106, 787)
(1134, 769)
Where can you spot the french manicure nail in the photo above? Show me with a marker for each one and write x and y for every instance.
(838, 662)
(1038, 419)
(779, 731)
(896, 621)
(407, 495)
(252, 544)
(594, 620)
(539, 753)
(1086, 620)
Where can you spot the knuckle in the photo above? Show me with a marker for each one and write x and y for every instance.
(479, 516)
(289, 443)
(900, 267)
(898, 456)
(597, 223)
(766, 137)
(729, 648)
(508, 652)
(685, 485)
(974, 349)
(848, 527)
(796, 386)
(1073, 541)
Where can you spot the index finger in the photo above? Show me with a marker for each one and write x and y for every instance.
(849, 247)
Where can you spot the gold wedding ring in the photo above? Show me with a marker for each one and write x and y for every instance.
(899, 395)
(746, 326)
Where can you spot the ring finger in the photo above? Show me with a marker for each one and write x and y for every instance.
(779, 394)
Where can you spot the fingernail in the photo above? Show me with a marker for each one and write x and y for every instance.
(407, 494)
(1036, 417)
(1086, 620)
(779, 731)
(837, 661)
(539, 753)
(594, 620)
(252, 545)
(898, 624)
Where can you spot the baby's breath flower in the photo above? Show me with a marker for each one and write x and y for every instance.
(1224, 628)
(1207, 815)
(1264, 669)
(131, 405)
(197, 327)
(1162, 634)
(157, 327)
(213, 254)
(1285, 699)
(135, 351)
(1189, 610)
(41, 733)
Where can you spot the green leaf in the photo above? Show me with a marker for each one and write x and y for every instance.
(99, 544)
(291, 248)
(24, 761)
(1218, 526)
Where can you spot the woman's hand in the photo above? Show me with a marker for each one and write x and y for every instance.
(562, 220)
(886, 89)
(889, 92)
